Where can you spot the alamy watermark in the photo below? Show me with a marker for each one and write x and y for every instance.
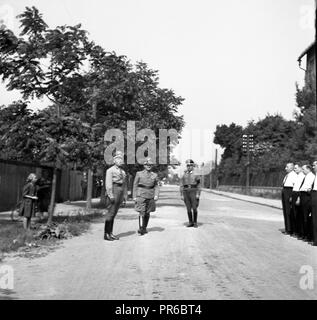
(306, 281)
(6, 277)
(155, 145)
(307, 17)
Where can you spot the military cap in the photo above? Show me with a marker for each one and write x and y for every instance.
(190, 161)
(148, 161)
(118, 154)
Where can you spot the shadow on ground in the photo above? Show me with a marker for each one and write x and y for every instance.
(130, 233)
(6, 294)
(199, 224)
(126, 234)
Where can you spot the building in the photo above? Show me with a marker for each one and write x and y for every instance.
(310, 69)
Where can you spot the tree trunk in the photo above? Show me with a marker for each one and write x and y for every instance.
(89, 189)
(53, 193)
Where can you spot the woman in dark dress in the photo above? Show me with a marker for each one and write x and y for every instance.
(27, 209)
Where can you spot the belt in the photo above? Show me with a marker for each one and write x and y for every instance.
(118, 184)
(190, 186)
(146, 187)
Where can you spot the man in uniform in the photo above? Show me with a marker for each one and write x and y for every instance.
(288, 184)
(305, 202)
(314, 205)
(145, 194)
(295, 212)
(115, 187)
(190, 192)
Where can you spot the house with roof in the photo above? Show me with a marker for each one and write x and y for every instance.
(309, 55)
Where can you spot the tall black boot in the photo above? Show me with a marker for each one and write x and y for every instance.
(195, 218)
(140, 231)
(111, 230)
(107, 231)
(190, 218)
(145, 219)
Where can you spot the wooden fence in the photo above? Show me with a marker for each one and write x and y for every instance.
(13, 175)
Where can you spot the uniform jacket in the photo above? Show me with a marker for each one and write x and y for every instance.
(190, 178)
(117, 175)
(148, 179)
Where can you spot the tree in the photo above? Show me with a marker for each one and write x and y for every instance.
(91, 90)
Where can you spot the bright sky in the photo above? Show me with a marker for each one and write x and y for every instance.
(232, 60)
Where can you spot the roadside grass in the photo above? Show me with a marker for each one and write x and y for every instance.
(14, 237)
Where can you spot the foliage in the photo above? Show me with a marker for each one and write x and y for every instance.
(91, 90)
(276, 142)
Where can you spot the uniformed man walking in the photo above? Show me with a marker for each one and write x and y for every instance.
(190, 192)
(116, 189)
(145, 194)
(288, 184)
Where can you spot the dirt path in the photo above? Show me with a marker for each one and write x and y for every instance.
(236, 253)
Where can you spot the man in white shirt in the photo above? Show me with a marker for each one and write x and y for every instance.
(305, 203)
(314, 205)
(295, 199)
(288, 183)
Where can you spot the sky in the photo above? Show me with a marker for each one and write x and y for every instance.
(232, 60)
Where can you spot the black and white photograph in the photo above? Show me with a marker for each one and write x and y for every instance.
(158, 151)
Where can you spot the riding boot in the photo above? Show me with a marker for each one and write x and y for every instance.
(107, 231)
(146, 219)
(195, 219)
(190, 218)
(111, 231)
(140, 231)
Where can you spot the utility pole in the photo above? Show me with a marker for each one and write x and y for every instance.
(216, 167)
(248, 168)
(210, 176)
(247, 147)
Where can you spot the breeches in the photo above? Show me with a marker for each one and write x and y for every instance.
(190, 199)
(144, 206)
(115, 205)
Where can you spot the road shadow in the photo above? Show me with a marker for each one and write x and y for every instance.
(199, 224)
(155, 229)
(126, 234)
(6, 294)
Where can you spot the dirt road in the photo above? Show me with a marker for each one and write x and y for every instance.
(236, 253)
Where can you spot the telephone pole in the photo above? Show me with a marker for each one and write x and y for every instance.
(247, 147)
(216, 167)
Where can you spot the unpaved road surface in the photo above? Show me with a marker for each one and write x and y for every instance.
(236, 253)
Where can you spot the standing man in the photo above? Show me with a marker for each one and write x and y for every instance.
(305, 202)
(145, 194)
(190, 192)
(288, 183)
(314, 205)
(115, 187)
(295, 210)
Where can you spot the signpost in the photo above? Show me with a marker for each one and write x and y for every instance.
(247, 148)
